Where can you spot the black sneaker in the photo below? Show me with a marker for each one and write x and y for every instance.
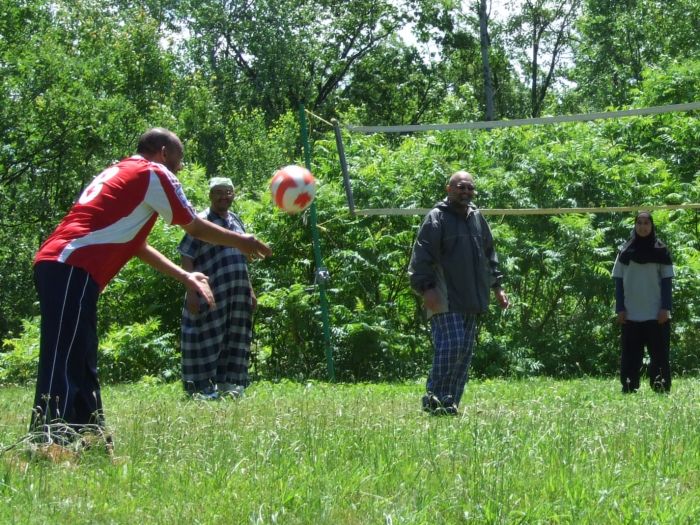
(430, 403)
(448, 406)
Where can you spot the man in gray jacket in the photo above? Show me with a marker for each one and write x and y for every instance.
(453, 266)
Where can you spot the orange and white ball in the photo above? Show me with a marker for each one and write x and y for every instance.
(293, 188)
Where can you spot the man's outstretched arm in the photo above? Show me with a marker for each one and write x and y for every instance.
(193, 281)
(214, 234)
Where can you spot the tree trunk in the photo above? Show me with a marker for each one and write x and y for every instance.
(485, 44)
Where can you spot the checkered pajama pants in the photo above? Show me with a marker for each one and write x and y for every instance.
(453, 339)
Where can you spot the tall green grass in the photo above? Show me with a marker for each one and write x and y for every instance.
(532, 451)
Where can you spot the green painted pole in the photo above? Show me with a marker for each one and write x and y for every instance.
(321, 277)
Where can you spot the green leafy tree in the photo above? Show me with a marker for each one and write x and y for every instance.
(541, 35)
(276, 54)
(394, 85)
(460, 32)
(619, 40)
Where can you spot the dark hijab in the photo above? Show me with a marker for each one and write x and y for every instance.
(644, 250)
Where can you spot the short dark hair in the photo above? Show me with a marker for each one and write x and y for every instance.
(154, 139)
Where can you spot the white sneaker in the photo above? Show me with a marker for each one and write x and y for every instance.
(229, 389)
(208, 394)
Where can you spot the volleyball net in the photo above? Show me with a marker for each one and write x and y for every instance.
(486, 125)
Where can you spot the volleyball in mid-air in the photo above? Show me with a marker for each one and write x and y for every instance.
(293, 188)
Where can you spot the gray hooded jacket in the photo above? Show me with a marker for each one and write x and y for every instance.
(455, 255)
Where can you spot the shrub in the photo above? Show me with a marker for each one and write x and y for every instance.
(20, 355)
(130, 352)
(126, 353)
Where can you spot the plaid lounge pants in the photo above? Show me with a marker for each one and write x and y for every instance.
(453, 335)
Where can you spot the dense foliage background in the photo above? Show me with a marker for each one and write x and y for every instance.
(80, 80)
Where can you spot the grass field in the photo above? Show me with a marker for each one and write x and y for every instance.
(532, 451)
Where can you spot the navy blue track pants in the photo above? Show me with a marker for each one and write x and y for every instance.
(67, 389)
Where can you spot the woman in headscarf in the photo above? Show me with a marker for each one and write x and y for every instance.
(643, 271)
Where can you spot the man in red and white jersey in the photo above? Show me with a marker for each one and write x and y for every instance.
(107, 226)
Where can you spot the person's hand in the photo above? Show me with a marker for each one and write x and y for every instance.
(621, 317)
(198, 283)
(502, 297)
(192, 302)
(432, 300)
(663, 316)
(253, 248)
(254, 300)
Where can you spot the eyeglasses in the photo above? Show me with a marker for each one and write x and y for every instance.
(222, 193)
(464, 186)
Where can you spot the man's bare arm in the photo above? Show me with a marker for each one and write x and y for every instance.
(193, 281)
(214, 234)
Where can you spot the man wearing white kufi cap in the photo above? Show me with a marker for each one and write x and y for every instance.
(215, 342)
(224, 182)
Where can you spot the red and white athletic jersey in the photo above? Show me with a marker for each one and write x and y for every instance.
(114, 215)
